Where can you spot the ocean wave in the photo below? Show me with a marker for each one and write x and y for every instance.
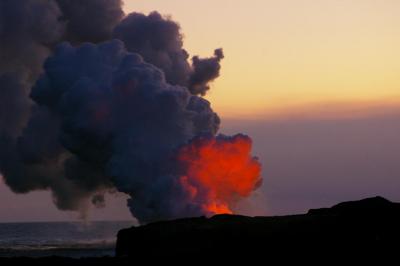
(79, 245)
(59, 239)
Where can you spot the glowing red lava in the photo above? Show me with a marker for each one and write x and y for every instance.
(219, 171)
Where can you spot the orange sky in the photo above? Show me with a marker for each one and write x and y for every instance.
(289, 54)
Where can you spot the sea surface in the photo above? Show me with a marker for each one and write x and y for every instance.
(70, 239)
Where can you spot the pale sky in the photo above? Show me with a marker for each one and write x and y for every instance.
(290, 54)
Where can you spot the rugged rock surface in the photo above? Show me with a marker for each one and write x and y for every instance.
(370, 225)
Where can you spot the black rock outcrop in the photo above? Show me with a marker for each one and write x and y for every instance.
(370, 225)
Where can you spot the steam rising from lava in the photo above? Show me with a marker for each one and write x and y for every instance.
(104, 115)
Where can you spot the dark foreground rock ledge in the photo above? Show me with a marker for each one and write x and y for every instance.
(369, 225)
(366, 231)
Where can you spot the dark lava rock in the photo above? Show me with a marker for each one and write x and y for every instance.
(370, 225)
(366, 231)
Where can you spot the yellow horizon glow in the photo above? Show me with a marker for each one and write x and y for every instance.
(289, 53)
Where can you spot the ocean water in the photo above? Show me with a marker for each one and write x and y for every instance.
(70, 239)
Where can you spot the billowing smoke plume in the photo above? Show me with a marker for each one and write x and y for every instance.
(159, 42)
(125, 114)
(24, 38)
(90, 20)
(31, 155)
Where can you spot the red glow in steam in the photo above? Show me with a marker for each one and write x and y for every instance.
(219, 171)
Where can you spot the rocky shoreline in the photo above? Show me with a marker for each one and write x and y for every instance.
(359, 229)
(369, 224)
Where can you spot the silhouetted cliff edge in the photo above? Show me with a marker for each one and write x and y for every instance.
(369, 225)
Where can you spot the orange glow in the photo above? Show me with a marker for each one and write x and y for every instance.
(215, 208)
(291, 52)
(219, 171)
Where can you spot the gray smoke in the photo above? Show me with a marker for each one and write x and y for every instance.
(119, 114)
(91, 115)
(204, 71)
(90, 20)
(31, 155)
(159, 41)
(24, 38)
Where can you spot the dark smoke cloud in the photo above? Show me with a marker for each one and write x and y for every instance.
(92, 115)
(32, 156)
(14, 104)
(119, 114)
(90, 20)
(204, 71)
(25, 33)
(27, 27)
(28, 31)
(159, 41)
(37, 161)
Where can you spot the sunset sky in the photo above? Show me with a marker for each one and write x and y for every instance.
(314, 83)
(285, 55)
